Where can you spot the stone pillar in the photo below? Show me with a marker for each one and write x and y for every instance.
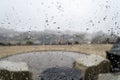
(91, 66)
(14, 71)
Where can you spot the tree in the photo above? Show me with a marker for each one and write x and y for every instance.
(29, 43)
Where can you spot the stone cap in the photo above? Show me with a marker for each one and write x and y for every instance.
(115, 51)
(91, 60)
(13, 66)
(109, 76)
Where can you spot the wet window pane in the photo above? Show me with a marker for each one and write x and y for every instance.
(52, 39)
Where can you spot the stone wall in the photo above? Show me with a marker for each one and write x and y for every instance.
(91, 66)
(14, 71)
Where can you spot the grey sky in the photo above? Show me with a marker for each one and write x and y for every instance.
(75, 15)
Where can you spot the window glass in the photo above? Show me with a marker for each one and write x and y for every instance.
(40, 35)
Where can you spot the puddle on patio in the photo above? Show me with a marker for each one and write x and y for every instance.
(39, 61)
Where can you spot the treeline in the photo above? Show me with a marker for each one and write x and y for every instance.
(42, 38)
(11, 44)
(9, 38)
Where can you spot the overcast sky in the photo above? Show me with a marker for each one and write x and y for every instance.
(75, 15)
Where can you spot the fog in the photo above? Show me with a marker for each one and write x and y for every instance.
(73, 15)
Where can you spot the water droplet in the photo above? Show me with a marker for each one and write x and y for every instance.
(42, 3)
(91, 21)
(58, 27)
(87, 28)
(8, 22)
(54, 22)
(92, 24)
(115, 23)
(46, 21)
(98, 21)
